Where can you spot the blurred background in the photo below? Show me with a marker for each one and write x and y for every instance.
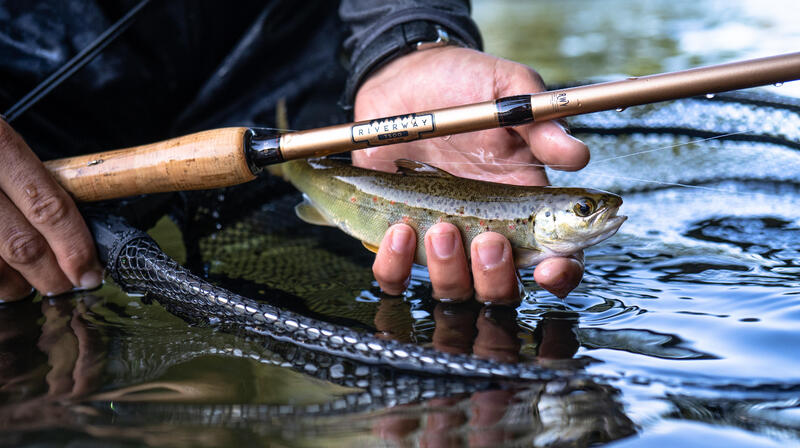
(572, 40)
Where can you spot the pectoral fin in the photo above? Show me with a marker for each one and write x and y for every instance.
(370, 247)
(414, 168)
(311, 214)
(527, 257)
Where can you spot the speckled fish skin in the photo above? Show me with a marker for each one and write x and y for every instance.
(538, 221)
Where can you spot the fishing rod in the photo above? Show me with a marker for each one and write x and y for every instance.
(230, 156)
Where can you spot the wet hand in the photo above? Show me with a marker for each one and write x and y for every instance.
(44, 241)
(451, 76)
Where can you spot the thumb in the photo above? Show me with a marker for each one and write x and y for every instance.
(549, 141)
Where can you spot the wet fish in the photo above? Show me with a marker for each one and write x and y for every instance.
(540, 222)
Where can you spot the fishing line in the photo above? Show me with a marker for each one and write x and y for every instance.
(672, 184)
(670, 146)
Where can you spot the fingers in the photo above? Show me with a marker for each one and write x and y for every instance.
(12, 286)
(392, 266)
(27, 252)
(447, 263)
(44, 237)
(554, 146)
(560, 275)
(493, 270)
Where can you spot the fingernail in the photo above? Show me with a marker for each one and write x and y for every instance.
(401, 240)
(91, 279)
(444, 244)
(490, 253)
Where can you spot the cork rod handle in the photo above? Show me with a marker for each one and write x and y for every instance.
(209, 159)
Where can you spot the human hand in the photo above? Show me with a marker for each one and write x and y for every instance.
(451, 76)
(44, 241)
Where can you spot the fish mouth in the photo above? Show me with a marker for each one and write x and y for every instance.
(606, 221)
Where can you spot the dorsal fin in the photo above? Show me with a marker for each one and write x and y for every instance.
(413, 168)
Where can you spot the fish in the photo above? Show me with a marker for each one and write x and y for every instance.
(540, 222)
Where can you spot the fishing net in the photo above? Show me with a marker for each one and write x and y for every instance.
(304, 296)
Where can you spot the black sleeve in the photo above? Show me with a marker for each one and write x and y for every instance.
(383, 30)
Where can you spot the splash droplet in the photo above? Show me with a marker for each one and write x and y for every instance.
(620, 109)
(710, 95)
(778, 84)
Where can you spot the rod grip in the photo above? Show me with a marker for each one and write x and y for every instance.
(208, 159)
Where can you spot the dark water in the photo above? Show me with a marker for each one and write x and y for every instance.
(684, 331)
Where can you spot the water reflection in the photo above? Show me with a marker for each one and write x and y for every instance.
(163, 409)
(45, 366)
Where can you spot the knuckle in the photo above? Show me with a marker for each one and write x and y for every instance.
(24, 248)
(78, 257)
(530, 75)
(46, 208)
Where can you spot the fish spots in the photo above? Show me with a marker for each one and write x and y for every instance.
(391, 202)
(406, 219)
(353, 199)
(511, 227)
(375, 199)
(481, 223)
(460, 210)
(467, 228)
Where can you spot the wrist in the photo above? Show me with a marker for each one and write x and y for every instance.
(399, 41)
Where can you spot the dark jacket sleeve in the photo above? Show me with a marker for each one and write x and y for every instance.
(382, 30)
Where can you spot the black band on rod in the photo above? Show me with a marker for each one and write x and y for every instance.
(514, 110)
(262, 147)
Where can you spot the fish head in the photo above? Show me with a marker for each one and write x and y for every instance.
(575, 218)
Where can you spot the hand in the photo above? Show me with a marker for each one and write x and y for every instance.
(450, 76)
(44, 241)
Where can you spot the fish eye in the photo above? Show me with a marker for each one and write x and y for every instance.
(584, 207)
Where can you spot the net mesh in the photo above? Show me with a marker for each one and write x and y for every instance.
(746, 126)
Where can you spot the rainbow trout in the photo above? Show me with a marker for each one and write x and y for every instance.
(539, 222)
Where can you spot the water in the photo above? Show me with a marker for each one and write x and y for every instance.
(684, 329)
